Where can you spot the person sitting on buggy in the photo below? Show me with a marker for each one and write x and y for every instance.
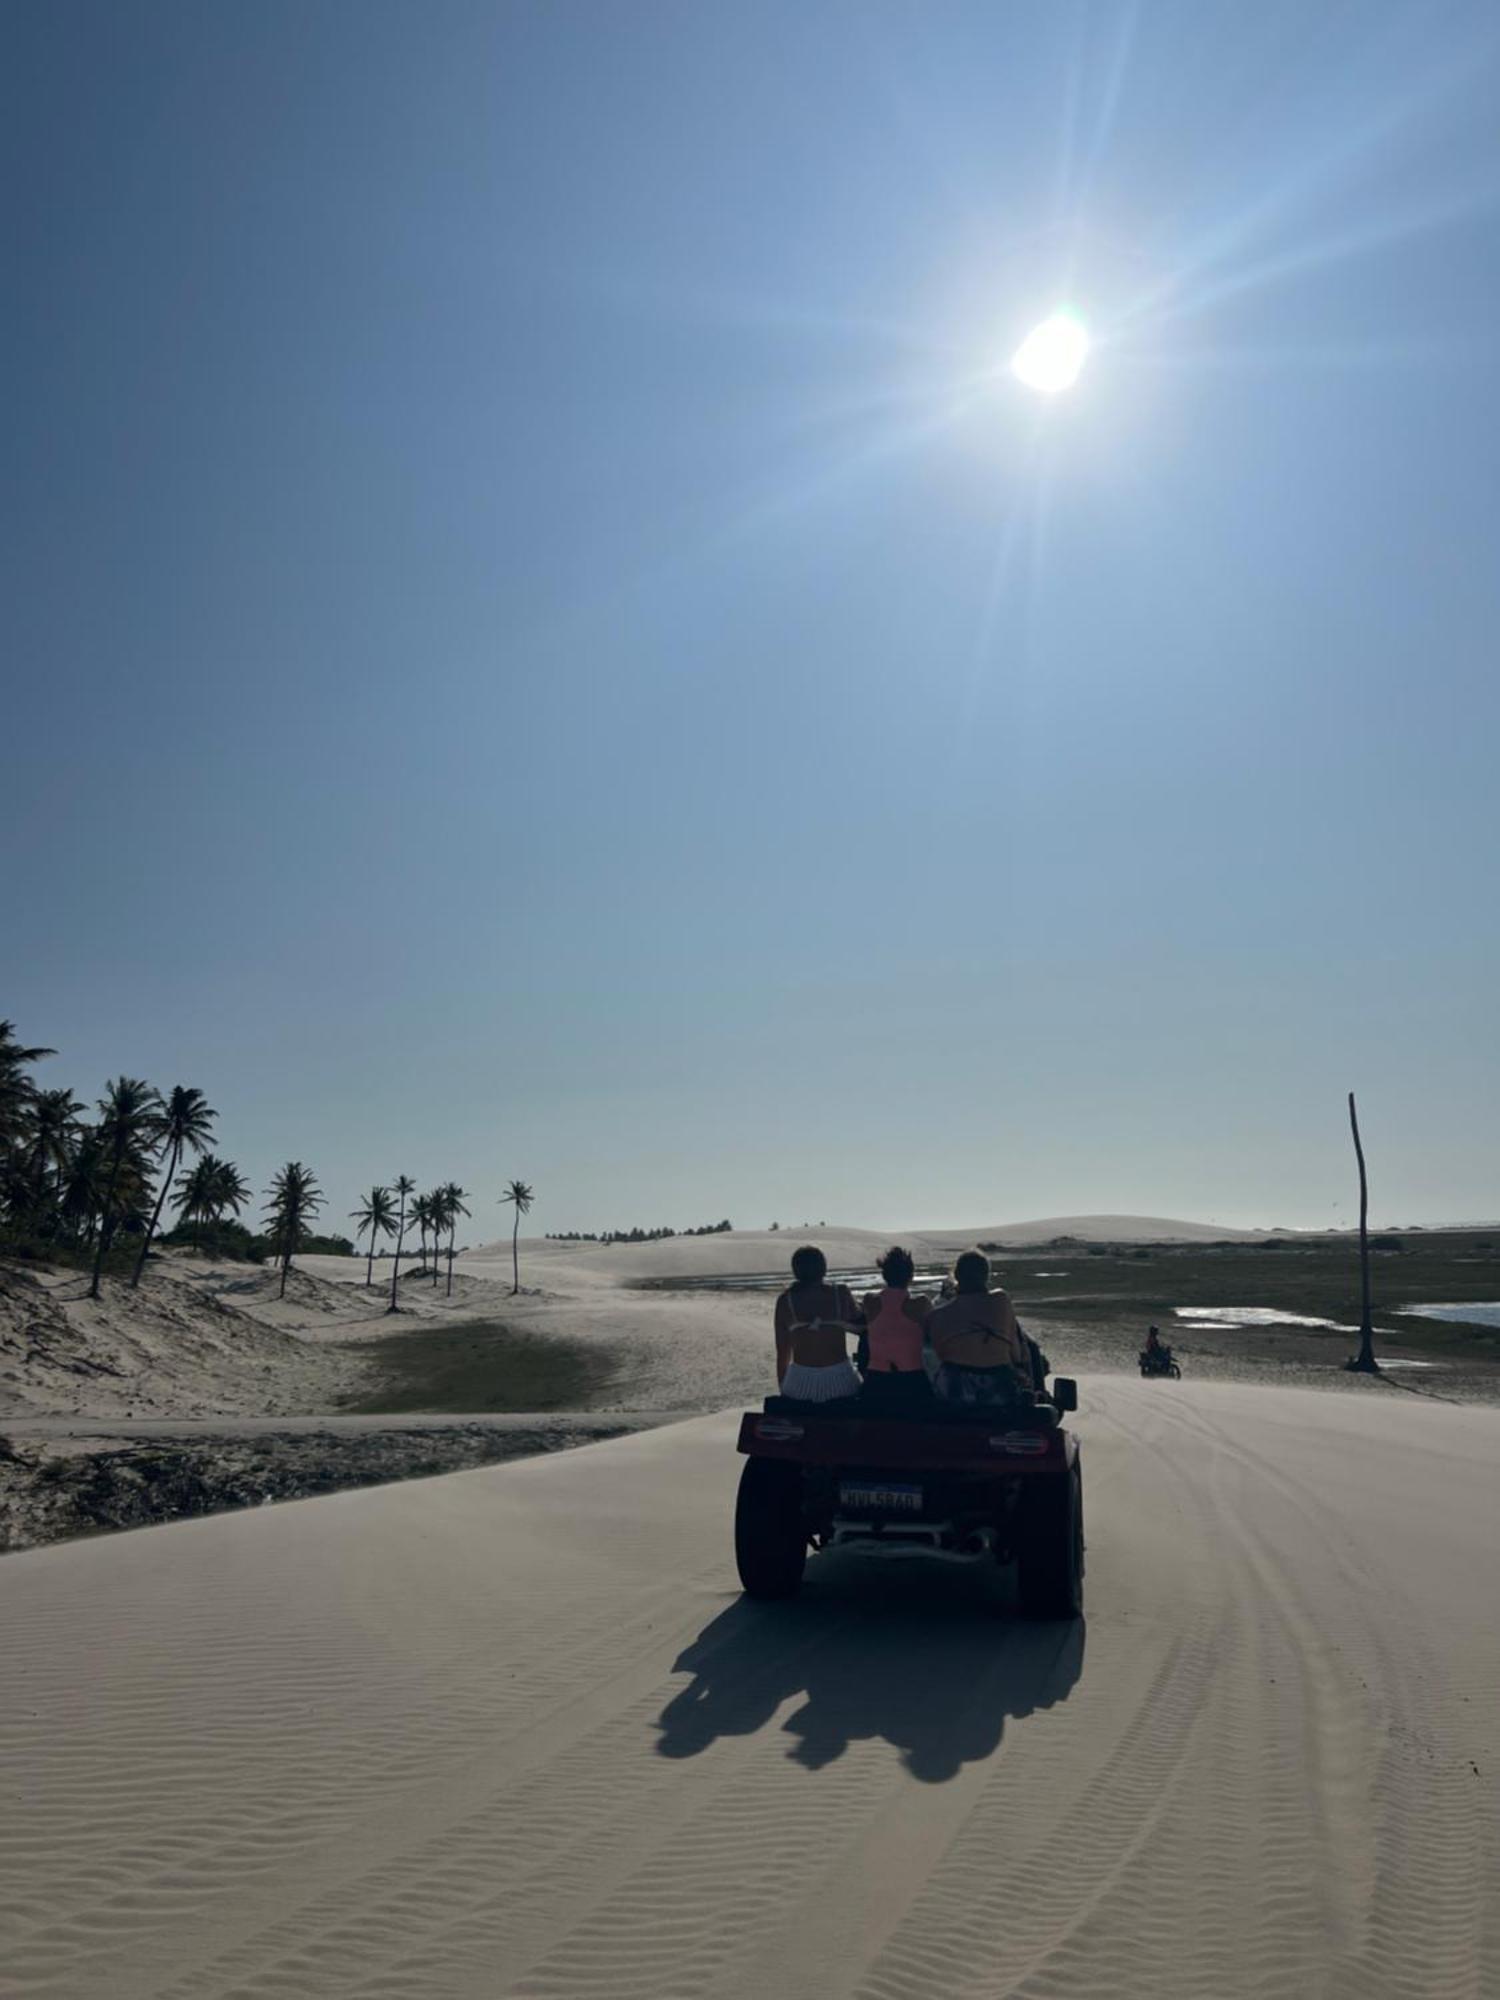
(813, 1322)
(983, 1357)
(890, 1350)
(1155, 1353)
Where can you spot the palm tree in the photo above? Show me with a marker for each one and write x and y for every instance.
(81, 1196)
(453, 1208)
(520, 1197)
(439, 1201)
(186, 1121)
(227, 1188)
(405, 1186)
(421, 1215)
(129, 1126)
(208, 1188)
(17, 1091)
(193, 1194)
(295, 1199)
(54, 1131)
(379, 1217)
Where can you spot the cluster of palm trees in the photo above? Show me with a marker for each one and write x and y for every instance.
(391, 1211)
(68, 1182)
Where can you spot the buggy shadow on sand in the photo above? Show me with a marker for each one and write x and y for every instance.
(960, 1486)
(844, 1664)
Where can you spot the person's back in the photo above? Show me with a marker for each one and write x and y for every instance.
(813, 1320)
(981, 1352)
(893, 1331)
(891, 1351)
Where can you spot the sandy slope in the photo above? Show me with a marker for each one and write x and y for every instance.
(195, 1340)
(747, 1250)
(512, 1733)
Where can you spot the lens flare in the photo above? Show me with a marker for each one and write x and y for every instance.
(1051, 357)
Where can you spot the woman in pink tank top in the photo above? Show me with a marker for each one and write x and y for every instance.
(891, 1350)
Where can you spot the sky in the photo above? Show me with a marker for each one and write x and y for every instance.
(541, 637)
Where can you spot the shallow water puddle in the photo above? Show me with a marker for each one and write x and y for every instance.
(1223, 1319)
(1487, 1314)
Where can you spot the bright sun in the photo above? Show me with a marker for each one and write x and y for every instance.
(1052, 355)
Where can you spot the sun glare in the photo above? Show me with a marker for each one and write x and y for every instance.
(1052, 355)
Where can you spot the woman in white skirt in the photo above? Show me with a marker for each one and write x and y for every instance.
(814, 1321)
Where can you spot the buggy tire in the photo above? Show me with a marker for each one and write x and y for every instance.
(770, 1536)
(1049, 1558)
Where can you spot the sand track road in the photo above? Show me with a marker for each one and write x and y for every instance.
(512, 1732)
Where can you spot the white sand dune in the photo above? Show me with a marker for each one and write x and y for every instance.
(743, 1251)
(512, 1732)
(197, 1339)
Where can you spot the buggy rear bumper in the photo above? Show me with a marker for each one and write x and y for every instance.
(985, 1444)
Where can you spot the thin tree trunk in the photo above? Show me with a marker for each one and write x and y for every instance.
(370, 1260)
(286, 1265)
(452, 1233)
(515, 1254)
(396, 1260)
(1365, 1363)
(166, 1182)
(104, 1234)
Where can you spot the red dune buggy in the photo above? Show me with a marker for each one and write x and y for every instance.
(961, 1485)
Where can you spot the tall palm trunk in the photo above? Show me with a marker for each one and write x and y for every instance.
(1365, 1362)
(515, 1253)
(452, 1233)
(105, 1232)
(166, 1182)
(370, 1260)
(396, 1260)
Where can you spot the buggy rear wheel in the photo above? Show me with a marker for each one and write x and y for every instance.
(1049, 1557)
(770, 1537)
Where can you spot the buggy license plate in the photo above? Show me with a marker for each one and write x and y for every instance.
(876, 1498)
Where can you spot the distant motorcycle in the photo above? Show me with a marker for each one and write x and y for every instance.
(1159, 1363)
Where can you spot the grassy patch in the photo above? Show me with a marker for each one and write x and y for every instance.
(481, 1366)
(1311, 1276)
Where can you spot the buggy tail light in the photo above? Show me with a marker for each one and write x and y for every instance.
(777, 1430)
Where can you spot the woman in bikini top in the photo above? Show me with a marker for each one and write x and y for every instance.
(813, 1323)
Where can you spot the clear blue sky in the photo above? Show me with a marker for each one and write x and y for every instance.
(542, 640)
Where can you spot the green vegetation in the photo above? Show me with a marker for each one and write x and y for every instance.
(92, 1194)
(520, 1197)
(451, 1200)
(376, 1218)
(295, 1199)
(186, 1121)
(1317, 1277)
(209, 1191)
(639, 1235)
(482, 1367)
(405, 1188)
(219, 1239)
